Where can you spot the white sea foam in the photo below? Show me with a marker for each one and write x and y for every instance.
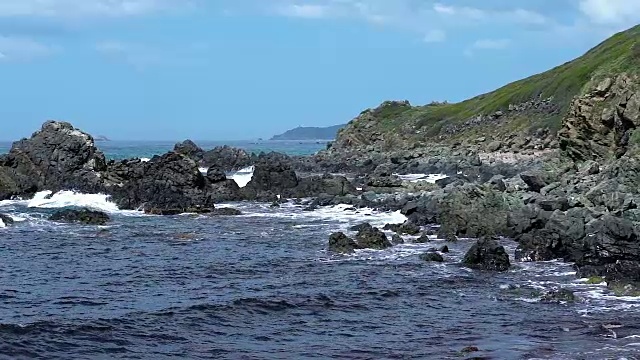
(145, 159)
(243, 176)
(430, 178)
(2, 225)
(203, 170)
(48, 200)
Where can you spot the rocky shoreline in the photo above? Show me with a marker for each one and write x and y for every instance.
(578, 202)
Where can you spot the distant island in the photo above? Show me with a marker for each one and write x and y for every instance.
(310, 133)
(101, 138)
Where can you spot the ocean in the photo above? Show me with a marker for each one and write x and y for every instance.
(263, 286)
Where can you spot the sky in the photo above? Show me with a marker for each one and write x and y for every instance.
(244, 69)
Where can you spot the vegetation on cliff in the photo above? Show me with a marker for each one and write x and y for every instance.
(537, 102)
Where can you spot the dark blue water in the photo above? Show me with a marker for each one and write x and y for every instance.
(263, 286)
(118, 150)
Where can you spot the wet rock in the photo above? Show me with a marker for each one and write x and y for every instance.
(226, 158)
(225, 212)
(57, 157)
(487, 254)
(362, 226)
(408, 228)
(397, 239)
(559, 295)
(341, 243)
(469, 349)
(444, 249)
(215, 175)
(189, 149)
(6, 219)
(372, 238)
(423, 239)
(432, 257)
(82, 216)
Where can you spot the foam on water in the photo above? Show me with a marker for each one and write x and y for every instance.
(48, 200)
(430, 178)
(145, 159)
(2, 225)
(243, 176)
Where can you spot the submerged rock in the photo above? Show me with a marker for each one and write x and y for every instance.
(487, 254)
(6, 219)
(82, 216)
(225, 212)
(432, 257)
(341, 243)
(559, 295)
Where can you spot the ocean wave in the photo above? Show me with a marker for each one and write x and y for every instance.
(66, 198)
(430, 178)
(242, 176)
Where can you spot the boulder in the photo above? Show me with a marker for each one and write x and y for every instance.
(397, 239)
(6, 220)
(341, 243)
(57, 157)
(372, 238)
(226, 158)
(215, 175)
(534, 181)
(334, 185)
(82, 216)
(432, 257)
(225, 212)
(487, 254)
(166, 184)
(423, 239)
(190, 150)
(273, 173)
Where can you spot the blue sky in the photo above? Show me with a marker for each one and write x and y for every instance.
(243, 69)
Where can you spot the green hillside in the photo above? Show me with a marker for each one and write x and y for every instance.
(620, 53)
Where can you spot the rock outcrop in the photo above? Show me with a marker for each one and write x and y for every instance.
(56, 157)
(81, 216)
(487, 254)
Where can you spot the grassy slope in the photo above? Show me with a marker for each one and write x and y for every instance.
(619, 53)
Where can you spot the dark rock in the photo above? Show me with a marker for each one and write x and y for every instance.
(409, 228)
(189, 149)
(341, 243)
(6, 219)
(559, 203)
(372, 238)
(83, 216)
(534, 181)
(497, 182)
(444, 249)
(226, 158)
(215, 175)
(225, 212)
(432, 257)
(57, 157)
(361, 227)
(559, 295)
(610, 249)
(397, 239)
(487, 254)
(333, 185)
(273, 173)
(423, 239)
(469, 349)
(168, 183)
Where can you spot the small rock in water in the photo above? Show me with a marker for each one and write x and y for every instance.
(423, 239)
(432, 257)
(341, 243)
(559, 295)
(82, 216)
(372, 238)
(397, 239)
(444, 249)
(487, 254)
(469, 349)
(225, 212)
(360, 227)
(6, 219)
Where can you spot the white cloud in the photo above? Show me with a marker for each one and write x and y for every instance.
(309, 11)
(435, 36)
(611, 12)
(86, 8)
(17, 49)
